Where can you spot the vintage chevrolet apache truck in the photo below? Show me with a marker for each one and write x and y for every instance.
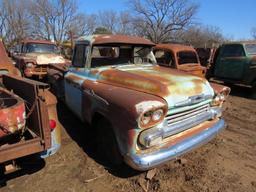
(144, 114)
(28, 118)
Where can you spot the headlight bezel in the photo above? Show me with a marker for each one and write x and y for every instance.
(30, 65)
(149, 115)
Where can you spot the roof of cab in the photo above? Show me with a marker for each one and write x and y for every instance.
(115, 39)
(38, 41)
(175, 47)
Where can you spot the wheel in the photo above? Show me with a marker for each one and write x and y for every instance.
(107, 144)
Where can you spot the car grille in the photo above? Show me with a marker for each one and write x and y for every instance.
(41, 69)
(184, 120)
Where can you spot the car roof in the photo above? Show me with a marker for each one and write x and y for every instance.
(38, 41)
(175, 47)
(115, 39)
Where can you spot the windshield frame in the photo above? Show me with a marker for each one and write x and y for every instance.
(46, 49)
(129, 60)
(186, 63)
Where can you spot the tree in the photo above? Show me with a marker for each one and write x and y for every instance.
(14, 20)
(117, 22)
(55, 19)
(157, 19)
(253, 31)
(102, 30)
(202, 36)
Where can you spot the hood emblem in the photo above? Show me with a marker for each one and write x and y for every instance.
(193, 100)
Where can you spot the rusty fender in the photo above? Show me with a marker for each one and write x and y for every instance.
(122, 107)
(51, 103)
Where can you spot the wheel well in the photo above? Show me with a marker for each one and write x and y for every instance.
(96, 117)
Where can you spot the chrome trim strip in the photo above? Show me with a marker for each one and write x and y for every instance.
(162, 155)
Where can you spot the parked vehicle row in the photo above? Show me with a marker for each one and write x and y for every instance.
(148, 104)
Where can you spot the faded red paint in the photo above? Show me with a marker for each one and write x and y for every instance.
(38, 41)
(121, 39)
(194, 68)
(6, 63)
(12, 113)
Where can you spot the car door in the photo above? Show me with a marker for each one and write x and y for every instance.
(74, 79)
(231, 62)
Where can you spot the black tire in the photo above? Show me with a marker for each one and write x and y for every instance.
(253, 91)
(107, 146)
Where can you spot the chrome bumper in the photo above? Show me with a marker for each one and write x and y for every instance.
(153, 159)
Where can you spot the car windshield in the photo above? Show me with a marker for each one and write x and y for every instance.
(185, 57)
(121, 55)
(41, 48)
(250, 49)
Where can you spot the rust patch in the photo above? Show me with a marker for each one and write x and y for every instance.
(12, 113)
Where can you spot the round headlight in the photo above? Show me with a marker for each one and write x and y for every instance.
(146, 118)
(29, 65)
(156, 115)
(151, 118)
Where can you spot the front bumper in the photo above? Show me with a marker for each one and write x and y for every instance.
(153, 159)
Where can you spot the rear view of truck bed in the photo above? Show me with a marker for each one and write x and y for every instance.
(42, 130)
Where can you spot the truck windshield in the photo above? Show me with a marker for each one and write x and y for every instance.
(250, 49)
(121, 55)
(41, 48)
(185, 57)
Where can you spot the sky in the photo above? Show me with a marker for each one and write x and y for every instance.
(235, 18)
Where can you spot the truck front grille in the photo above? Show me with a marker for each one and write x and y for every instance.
(41, 69)
(184, 120)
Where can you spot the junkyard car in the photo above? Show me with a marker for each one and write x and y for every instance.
(28, 117)
(178, 56)
(144, 114)
(34, 56)
(235, 63)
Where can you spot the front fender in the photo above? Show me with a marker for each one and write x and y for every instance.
(121, 106)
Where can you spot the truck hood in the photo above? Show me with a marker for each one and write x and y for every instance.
(174, 86)
(45, 58)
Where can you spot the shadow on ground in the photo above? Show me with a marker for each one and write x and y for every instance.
(241, 91)
(26, 166)
(86, 138)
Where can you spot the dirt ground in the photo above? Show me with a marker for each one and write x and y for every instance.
(227, 163)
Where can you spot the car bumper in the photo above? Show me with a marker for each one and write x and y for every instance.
(153, 159)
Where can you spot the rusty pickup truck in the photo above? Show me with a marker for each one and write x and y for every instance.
(144, 114)
(33, 57)
(28, 118)
(179, 56)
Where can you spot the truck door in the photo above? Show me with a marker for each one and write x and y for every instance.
(74, 79)
(231, 62)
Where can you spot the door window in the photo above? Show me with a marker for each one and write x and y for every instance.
(79, 56)
(164, 58)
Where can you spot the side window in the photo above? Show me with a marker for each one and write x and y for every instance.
(79, 57)
(164, 58)
(233, 51)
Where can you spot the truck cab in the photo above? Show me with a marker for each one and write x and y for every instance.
(179, 56)
(236, 63)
